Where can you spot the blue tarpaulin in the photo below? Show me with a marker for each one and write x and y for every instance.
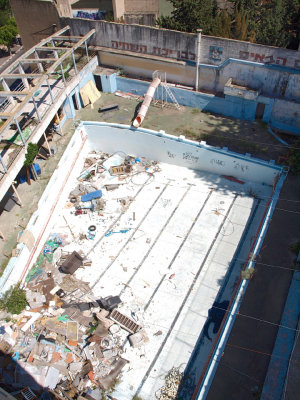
(37, 168)
(91, 196)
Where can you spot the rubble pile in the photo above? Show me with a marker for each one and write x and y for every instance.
(69, 341)
(170, 389)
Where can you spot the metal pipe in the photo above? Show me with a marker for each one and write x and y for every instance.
(17, 194)
(24, 80)
(40, 66)
(87, 51)
(58, 119)
(7, 89)
(3, 164)
(75, 68)
(199, 31)
(36, 109)
(50, 91)
(47, 143)
(62, 74)
(146, 103)
(20, 131)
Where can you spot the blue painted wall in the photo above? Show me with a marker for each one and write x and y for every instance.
(109, 83)
(271, 80)
(281, 114)
(228, 105)
(86, 75)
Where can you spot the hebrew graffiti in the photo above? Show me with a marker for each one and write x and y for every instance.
(158, 51)
(266, 59)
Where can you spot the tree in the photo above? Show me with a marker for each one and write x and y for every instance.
(32, 150)
(7, 35)
(272, 25)
(270, 22)
(8, 26)
(189, 15)
(222, 26)
(240, 26)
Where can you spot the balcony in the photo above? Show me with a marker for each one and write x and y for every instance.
(32, 91)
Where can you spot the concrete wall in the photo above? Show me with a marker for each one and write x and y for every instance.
(286, 116)
(143, 12)
(180, 45)
(178, 151)
(143, 66)
(37, 19)
(141, 6)
(229, 106)
(269, 80)
(31, 26)
(119, 9)
(280, 114)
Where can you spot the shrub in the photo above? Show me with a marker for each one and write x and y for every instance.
(14, 300)
(294, 158)
(247, 273)
(32, 150)
(295, 247)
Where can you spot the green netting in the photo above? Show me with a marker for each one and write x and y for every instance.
(17, 137)
(33, 273)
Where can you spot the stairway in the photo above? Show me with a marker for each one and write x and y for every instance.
(170, 94)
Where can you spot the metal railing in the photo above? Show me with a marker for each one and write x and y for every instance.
(81, 63)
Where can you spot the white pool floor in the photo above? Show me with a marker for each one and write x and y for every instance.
(183, 229)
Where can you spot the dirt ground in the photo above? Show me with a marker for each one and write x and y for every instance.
(13, 222)
(239, 136)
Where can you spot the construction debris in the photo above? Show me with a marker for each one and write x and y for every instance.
(68, 341)
(170, 389)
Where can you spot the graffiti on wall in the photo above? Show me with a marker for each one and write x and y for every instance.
(89, 14)
(266, 59)
(215, 53)
(157, 51)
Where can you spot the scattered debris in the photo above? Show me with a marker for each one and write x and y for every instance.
(233, 179)
(170, 388)
(109, 108)
(67, 340)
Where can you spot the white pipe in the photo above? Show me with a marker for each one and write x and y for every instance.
(146, 103)
(199, 31)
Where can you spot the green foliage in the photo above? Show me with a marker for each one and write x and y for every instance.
(294, 158)
(273, 22)
(8, 29)
(222, 25)
(4, 5)
(247, 273)
(272, 30)
(190, 15)
(295, 247)
(32, 151)
(240, 26)
(14, 300)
